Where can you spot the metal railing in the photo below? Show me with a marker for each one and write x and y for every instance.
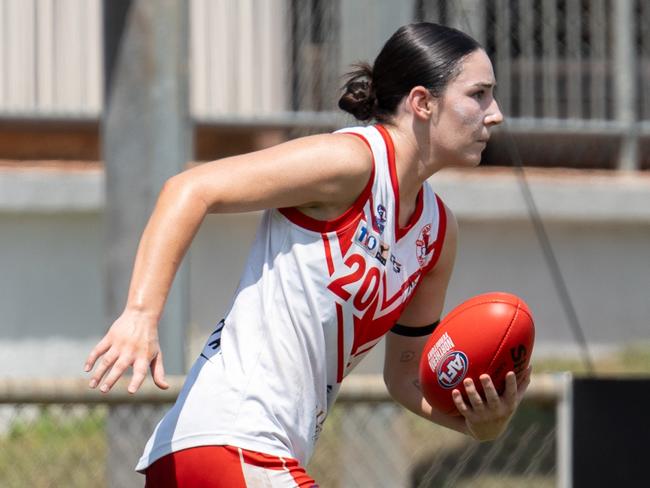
(575, 60)
(563, 67)
(57, 432)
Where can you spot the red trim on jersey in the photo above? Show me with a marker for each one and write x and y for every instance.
(442, 232)
(387, 302)
(347, 217)
(340, 342)
(436, 247)
(392, 170)
(369, 348)
(345, 236)
(328, 254)
(369, 328)
(373, 216)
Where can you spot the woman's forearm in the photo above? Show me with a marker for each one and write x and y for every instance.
(408, 393)
(172, 226)
(132, 340)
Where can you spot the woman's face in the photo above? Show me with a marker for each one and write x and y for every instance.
(465, 113)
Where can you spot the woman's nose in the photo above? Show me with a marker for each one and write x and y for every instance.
(494, 115)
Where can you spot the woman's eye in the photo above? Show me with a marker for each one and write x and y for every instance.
(479, 94)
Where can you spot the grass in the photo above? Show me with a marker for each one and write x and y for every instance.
(54, 447)
(631, 360)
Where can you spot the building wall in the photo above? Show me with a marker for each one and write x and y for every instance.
(52, 247)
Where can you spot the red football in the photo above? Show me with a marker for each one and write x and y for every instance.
(491, 333)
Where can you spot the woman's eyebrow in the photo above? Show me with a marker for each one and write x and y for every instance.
(485, 84)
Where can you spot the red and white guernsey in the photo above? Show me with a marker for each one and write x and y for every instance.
(314, 298)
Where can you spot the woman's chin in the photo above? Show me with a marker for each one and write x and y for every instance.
(466, 160)
(469, 161)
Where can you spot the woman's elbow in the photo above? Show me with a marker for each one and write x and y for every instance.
(177, 185)
(394, 384)
(182, 189)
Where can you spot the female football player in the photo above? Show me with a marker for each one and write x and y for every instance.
(353, 246)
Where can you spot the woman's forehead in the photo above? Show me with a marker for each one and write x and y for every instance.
(476, 69)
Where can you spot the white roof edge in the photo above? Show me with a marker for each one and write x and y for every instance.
(471, 194)
(559, 195)
(51, 191)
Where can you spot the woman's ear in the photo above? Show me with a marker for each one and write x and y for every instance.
(421, 103)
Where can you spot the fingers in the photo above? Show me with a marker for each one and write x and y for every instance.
(510, 393)
(112, 367)
(473, 395)
(488, 416)
(462, 407)
(476, 403)
(158, 372)
(490, 391)
(119, 366)
(491, 398)
(527, 374)
(104, 364)
(131, 341)
(139, 374)
(101, 347)
(524, 382)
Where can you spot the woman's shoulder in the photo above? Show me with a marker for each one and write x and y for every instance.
(338, 152)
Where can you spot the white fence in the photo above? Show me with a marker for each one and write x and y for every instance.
(50, 58)
(239, 57)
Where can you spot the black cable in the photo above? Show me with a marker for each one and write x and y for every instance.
(549, 255)
(544, 241)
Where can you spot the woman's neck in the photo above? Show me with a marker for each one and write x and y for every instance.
(412, 165)
(413, 157)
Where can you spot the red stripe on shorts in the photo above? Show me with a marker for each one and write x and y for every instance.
(222, 467)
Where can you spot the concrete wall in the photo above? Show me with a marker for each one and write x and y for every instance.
(52, 241)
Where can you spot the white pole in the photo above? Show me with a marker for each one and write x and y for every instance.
(625, 84)
(564, 412)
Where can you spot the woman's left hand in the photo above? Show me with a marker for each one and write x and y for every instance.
(487, 418)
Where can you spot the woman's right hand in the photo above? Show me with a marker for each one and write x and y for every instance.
(132, 340)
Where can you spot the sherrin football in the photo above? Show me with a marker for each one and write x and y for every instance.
(491, 333)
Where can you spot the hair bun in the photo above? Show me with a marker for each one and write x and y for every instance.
(359, 97)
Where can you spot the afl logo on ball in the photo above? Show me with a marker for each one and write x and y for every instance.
(452, 369)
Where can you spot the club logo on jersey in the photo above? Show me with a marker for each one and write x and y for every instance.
(380, 218)
(423, 245)
(371, 243)
(452, 369)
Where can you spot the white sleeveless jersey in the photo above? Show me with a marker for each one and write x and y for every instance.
(314, 298)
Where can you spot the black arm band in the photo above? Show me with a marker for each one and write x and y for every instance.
(414, 331)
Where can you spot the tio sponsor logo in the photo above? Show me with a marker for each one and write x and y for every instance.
(452, 369)
(371, 243)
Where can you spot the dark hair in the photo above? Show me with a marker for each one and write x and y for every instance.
(422, 54)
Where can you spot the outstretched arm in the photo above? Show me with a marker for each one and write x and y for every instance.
(322, 175)
(484, 419)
